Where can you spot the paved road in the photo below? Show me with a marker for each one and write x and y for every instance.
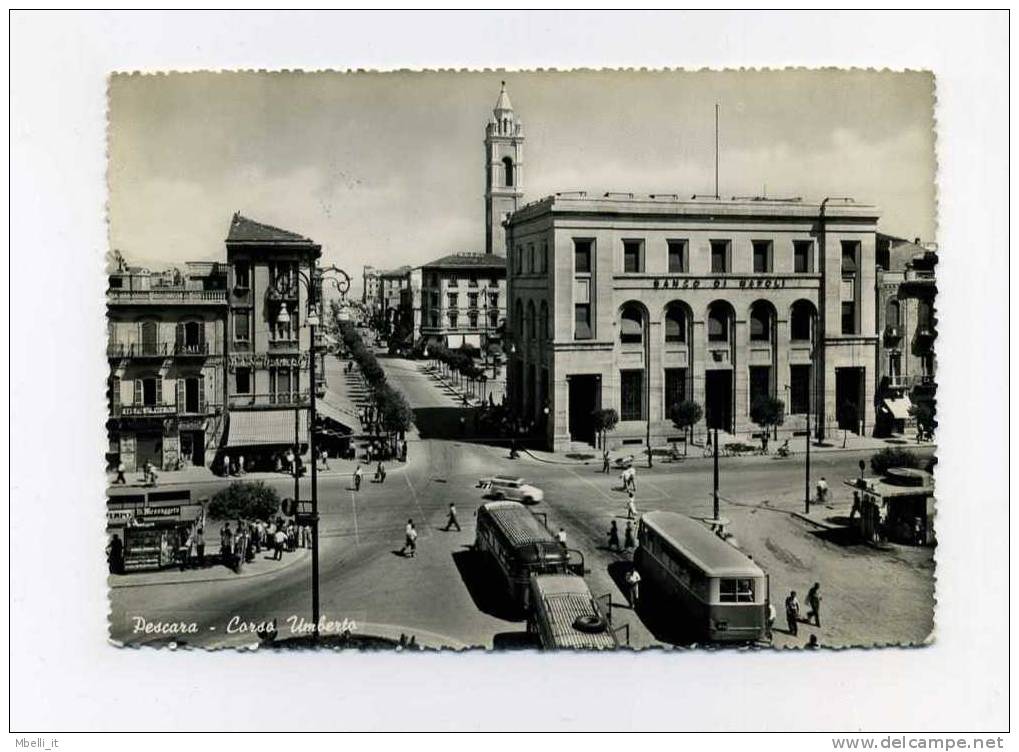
(442, 595)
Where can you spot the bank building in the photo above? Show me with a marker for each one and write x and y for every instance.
(639, 302)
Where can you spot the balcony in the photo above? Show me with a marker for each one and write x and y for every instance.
(166, 296)
(284, 346)
(196, 349)
(138, 350)
(161, 410)
(279, 399)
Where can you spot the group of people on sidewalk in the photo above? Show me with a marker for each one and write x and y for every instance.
(792, 610)
(149, 476)
(247, 539)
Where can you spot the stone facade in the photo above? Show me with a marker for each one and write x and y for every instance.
(637, 302)
(463, 300)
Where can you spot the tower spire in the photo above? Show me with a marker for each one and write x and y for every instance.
(503, 105)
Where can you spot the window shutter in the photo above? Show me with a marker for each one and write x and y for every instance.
(180, 333)
(201, 393)
(136, 398)
(180, 394)
(115, 392)
(159, 391)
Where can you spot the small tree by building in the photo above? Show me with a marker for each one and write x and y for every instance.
(769, 414)
(244, 500)
(923, 414)
(890, 457)
(685, 415)
(848, 416)
(604, 421)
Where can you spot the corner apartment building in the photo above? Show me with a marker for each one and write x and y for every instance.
(639, 302)
(167, 336)
(463, 300)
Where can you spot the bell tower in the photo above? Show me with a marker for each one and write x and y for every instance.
(504, 175)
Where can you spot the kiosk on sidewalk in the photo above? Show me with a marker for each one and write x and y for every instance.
(897, 507)
(154, 526)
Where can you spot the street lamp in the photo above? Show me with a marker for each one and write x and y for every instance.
(312, 282)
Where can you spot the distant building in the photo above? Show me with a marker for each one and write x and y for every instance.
(640, 302)
(267, 372)
(370, 291)
(504, 171)
(905, 289)
(166, 345)
(392, 283)
(463, 301)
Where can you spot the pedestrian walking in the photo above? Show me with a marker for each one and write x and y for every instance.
(614, 537)
(772, 615)
(380, 473)
(605, 465)
(633, 587)
(403, 451)
(325, 459)
(561, 537)
(279, 541)
(792, 612)
(856, 506)
(120, 474)
(226, 543)
(410, 539)
(226, 464)
(631, 506)
(628, 541)
(240, 465)
(200, 546)
(822, 491)
(452, 520)
(115, 554)
(814, 604)
(357, 477)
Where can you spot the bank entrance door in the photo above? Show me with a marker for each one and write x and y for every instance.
(849, 399)
(585, 398)
(149, 448)
(718, 399)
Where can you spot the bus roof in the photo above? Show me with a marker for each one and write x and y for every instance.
(565, 598)
(516, 521)
(704, 549)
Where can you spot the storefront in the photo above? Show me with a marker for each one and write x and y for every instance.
(154, 527)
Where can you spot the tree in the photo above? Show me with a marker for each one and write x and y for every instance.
(769, 414)
(604, 421)
(890, 457)
(847, 416)
(244, 500)
(685, 415)
(397, 415)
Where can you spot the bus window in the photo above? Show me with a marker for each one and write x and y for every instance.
(736, 590)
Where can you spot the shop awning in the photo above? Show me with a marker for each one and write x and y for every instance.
(899, 407)
(266, 428)
(333, 415)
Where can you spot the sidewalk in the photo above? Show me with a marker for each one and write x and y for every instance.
(262, 565)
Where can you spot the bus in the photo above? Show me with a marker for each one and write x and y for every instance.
(565, 616)
(520, 545)
(714, 591)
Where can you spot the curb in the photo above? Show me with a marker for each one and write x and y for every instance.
(400, 466)
(305, 554)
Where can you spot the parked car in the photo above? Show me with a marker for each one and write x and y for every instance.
(512, 489)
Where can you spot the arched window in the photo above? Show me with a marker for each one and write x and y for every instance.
(892, 313)
(518, 318)
(530, 320)
(719, 317)
(675, 323)
(801, 320)
(507, 163)
(760, 322)
(631, 324)
(543, 321)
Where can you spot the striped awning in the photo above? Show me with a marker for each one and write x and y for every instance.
(324, 410)
(899, 408)
(266, 428)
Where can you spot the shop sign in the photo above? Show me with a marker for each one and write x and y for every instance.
(265, 360)
(720, 283)
(173, 511)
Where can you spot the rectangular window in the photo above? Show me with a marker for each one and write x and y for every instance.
(677, 257)
(762, 256)
(675, 387)
(850, 256)
(582, 256)
(848, 317)
(736, 590)
(472, 282)
(530, 258)
(760, 383)
(453, 282)
(633, 256)
(242, 381)
(631, 395)
(803, 251)
(452, 299)
(472, 319)
(242, 279)
(799, 389)
(582, 321)
(544, 257)
(242, 325)
(493, 300)
(518, 260)
(151, 391)
(454, 319)
(719, 256)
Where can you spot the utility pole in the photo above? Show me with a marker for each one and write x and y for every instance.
(716, 151)
(715, 495)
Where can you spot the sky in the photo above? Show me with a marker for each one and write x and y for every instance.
(388, 168)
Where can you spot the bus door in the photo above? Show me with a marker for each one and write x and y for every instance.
(575, 561)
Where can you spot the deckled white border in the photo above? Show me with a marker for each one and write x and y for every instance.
(64, 674)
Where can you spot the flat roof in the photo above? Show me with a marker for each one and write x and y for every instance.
(516, 520)
(675, 204)
(705, 549)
